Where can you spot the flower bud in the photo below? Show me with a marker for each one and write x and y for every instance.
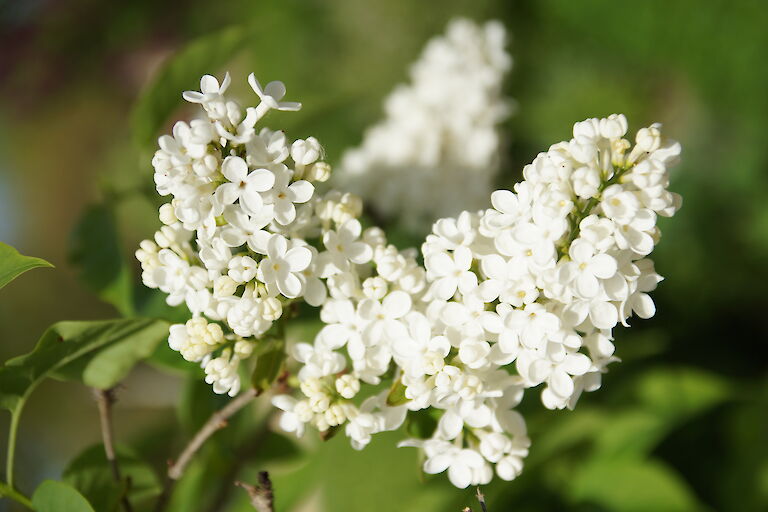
(319, 402)
(335, 415)
(224, 286)
(272, 309)
(648, 139)
(319, 171)
(167, 214)
(244, 349)
(375, 288)
(347, 386)
(306, 151)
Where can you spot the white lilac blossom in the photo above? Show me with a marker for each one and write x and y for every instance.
(246, 236)
(556, 265)
(437, 149)
(524, 294)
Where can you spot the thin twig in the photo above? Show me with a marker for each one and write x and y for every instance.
(104, 400)
(481, 499)
(244, 454)
(216, 422)
(262, 496)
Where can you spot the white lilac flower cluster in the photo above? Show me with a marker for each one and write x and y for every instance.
(522, 294)
(234, 245)
(436, 152)
(529, 292)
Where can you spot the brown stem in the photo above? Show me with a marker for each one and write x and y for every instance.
(262, 496)
(105, 398)
(481, 499)
(216, 422)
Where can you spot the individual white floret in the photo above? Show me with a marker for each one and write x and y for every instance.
(221, 372)
(278, 270)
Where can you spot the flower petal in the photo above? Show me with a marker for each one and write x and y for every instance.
(561, 383)
(260, 180)
(276, 246)
(450, 425)
(290, 286)
(462, 257)
(460, 475)
(302, 191)
(576, 364)
(603, 314)
(437, 464)
(285, 212)
(603, 266)
(359, 252)
(396, 304)
(234, 169)
(298, 258)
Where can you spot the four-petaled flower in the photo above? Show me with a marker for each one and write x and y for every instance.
(278, 270)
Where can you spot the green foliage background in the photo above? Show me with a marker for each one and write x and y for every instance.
(86, 86)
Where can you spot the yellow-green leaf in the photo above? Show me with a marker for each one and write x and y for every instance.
(13, 264)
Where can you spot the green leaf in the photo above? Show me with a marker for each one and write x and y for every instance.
(91, 474)
(268, 366)
(668, 397)
(95, 249)
(396, 394)
(113, 363)
(62, 344)
(13, 264)
(631, 433)
(52, 496)
(181, 73)
(569, 431)
(632, 486)
(679, 393)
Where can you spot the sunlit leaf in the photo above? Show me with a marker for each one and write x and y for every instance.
(52, 496)
(632, 486)
(678, 393)
(113, 363)
(12, 264)
(62, 344)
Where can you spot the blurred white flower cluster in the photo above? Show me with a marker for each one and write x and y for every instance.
(523, 294)
(436, 151)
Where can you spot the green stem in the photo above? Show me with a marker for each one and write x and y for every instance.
(586, 210)
(12, 433)
(9, 492)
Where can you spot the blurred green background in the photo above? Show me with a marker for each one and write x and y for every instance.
(681, 424)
